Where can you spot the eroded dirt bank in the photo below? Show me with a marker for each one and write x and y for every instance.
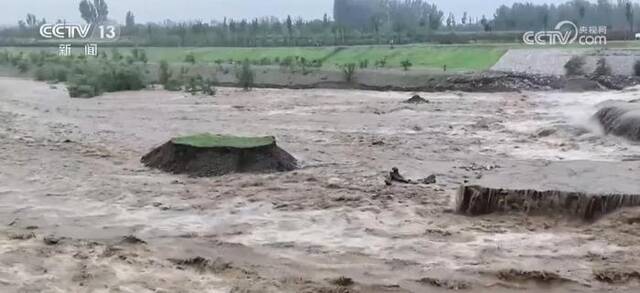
(72, 189)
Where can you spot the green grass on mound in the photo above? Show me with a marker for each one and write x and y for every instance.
(206, 140)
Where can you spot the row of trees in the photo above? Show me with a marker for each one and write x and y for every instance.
(94, 12)
(389, 15)
(353, 22)
(617, 16)
(357, 22)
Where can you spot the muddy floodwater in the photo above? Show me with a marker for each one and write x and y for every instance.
(80, 213)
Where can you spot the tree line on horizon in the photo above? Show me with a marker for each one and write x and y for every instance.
(616, 16)
(357, 22)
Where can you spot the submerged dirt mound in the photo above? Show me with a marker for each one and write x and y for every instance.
(621, 119)
(202, 265)
(581, 84)
(215, 155)
(616, 82)
(500, 81)
(454, 285)
(514, 275)
(616, 275)
(477, 200)
(416, 100)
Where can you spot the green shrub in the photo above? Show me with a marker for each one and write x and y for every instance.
(130, 60)
(575, 66)
(82, 58)
(173, 85)
(115, 55)
(82, 91)
(92, 79)
(137, 55)
(41, 74)
(15, 59)
(197, 84)
(190, 58)
(265, 61)
(124, 78)
(142, 57)
(209, 87)
(183, 73)
(164, 74)
(192, 85)
(287, 61)
(636, 68)
(381, 63)
(37, 58)
(602, 68)
(406, 64)
(23, 66)
(52, 72)
(245, 75)
(61, 74)
(316, 63)
(4, 57)
(348, 70)
(364, 63)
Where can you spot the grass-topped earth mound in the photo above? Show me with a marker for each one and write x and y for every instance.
(204, 155)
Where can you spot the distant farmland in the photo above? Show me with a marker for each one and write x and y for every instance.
(429, 57)
(468, 57)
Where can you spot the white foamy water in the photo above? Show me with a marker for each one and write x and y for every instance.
(577, 136)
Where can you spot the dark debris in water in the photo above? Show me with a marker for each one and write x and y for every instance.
(21, 236)
(446, 284)
(202, 264)
(342, 281)
(52, 240)
(395, 176)
(130, 239)
(514, 275)
(616, 276)
(416, 99)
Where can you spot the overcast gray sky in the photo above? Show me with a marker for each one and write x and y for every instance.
(158, 10)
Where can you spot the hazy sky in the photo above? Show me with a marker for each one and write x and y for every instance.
(158, 10)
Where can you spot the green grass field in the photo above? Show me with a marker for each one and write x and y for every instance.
(457, 58)
(471, 57)
(427, 57)
(206, 140)
(213, 54)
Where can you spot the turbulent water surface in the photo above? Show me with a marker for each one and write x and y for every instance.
(72, 189)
